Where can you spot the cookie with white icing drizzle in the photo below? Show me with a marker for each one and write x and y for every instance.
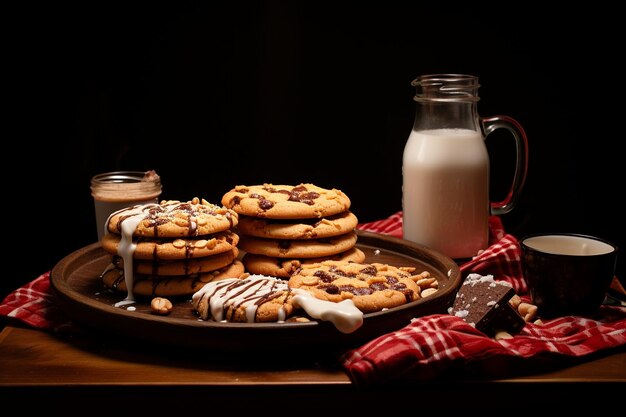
(186, 266)
(171, 219)
(172, 230)
(255, 298)
(172, 249)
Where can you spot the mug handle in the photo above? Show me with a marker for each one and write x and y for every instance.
(521, 164)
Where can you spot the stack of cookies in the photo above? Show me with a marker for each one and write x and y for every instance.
(170, 249)
(282, 227)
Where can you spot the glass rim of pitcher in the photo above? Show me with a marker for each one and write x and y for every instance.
(446, 87)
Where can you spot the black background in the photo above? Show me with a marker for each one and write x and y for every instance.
(225, 93)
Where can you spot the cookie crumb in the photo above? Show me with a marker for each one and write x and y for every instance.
(161, 306)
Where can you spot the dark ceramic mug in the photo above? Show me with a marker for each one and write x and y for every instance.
(567, 274)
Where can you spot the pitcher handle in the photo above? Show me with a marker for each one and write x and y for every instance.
(521, 165)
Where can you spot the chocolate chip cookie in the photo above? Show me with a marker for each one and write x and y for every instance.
(255, 298)
(314, 228)
(171, 219)
(286, 201)
(283, 268)
(372, 287)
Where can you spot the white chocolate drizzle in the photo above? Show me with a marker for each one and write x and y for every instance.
(126, 247)
(232, 293)
(344, 315)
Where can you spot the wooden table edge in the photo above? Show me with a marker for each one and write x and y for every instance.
(35, 358)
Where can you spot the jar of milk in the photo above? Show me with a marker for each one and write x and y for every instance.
(445, 189)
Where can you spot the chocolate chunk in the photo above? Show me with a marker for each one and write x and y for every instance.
(484, 303)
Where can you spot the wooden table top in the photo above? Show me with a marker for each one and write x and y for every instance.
(57, 370)
(31, 357)
(35, 358)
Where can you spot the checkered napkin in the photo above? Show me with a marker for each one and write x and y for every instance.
(433, 344)
(34, 305)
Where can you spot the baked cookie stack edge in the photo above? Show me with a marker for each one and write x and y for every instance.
(170, 249)
(282, 227)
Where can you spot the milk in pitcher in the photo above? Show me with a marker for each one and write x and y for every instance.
(445, 196)
(445, 191)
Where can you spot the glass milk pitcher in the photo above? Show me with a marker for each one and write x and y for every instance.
(445, 189)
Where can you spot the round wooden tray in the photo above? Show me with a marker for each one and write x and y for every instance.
(80, 293)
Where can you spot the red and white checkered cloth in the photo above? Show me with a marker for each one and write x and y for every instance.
(428, 345)
(33, 304)
(433, 344)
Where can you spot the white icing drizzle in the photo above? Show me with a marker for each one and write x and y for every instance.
(132, 216)
(126, 247)
(234, 292)
(343, 315)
